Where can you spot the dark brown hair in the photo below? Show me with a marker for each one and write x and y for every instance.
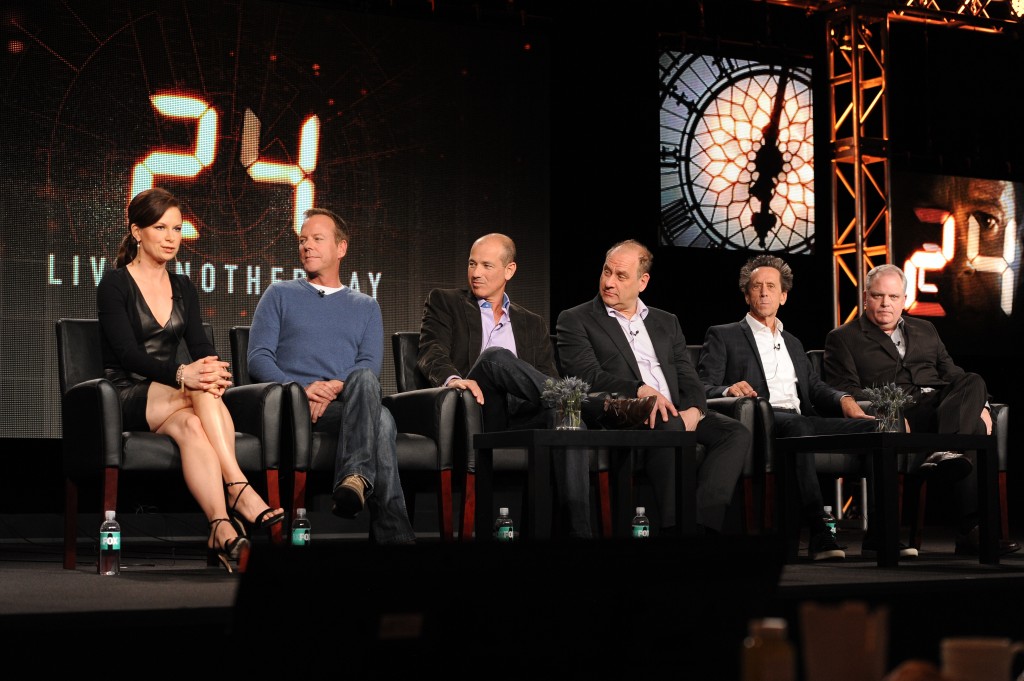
(765, 260)
(144, 210)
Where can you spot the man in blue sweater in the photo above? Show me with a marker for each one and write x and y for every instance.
(330, 339)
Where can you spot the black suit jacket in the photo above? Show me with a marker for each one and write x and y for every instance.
(730, 354)
(860, 355)
(451, 335)
(591, 346)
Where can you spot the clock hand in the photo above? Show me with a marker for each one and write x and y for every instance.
(768, 164)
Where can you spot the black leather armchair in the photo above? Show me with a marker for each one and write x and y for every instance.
(96, 448)
(425, 420)
(508, 461)
(749, 412)
(1000, 428)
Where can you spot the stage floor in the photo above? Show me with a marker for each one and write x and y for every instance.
(166, 592)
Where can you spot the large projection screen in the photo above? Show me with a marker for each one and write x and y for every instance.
(958, 239)
(422, 134)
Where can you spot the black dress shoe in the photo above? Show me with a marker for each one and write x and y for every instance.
(625, 413)
(948, 466)
(869, 548)
(970, 544)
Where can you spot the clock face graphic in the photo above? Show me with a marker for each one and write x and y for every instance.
(736, 154)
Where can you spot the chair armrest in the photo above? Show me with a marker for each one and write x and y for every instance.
(91, 426)
(258, 409)
(744, 410)
(1001, 428)
(427, 411)
(470, 422)
(297, 421)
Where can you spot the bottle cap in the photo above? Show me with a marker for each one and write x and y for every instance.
(301, 512)
(503, 510)
(768, 625)
(828, 509)
(640, 510)
(109, 515)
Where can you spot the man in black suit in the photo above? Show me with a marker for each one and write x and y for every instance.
(880, 347)
(478, 340)
(618, 344)
(756, 357)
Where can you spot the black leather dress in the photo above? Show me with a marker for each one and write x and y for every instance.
(160, 342)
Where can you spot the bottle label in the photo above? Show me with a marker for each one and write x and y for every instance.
(506, 533)
(641, 531)
(110, 541)
(300, 536)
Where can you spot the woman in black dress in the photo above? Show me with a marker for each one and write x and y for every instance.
(144, 312)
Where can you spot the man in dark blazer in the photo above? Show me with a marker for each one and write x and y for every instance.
(618, 344)
(478, 340)
(880, 347)
(757, 357)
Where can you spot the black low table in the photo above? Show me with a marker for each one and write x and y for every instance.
(884, 449)
(539, 445)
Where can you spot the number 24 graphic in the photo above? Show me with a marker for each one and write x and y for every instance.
(178, 164)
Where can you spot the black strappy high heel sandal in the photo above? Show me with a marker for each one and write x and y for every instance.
(265, 520)
(236, 549)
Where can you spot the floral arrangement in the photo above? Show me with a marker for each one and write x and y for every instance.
(564, 391)
(567, 396)
(889, 397)
(889, 401)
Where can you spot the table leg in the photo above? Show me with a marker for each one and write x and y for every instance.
(988, 499)
(484, 483)
(539, 492)
(886, 519)
(787, 503)
(686, 489)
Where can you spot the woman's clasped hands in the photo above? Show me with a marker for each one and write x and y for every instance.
(208, 374)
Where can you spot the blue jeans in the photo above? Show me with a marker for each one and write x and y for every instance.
(366, 447)
(512, 389)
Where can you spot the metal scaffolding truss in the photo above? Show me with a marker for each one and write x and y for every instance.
(858, 45)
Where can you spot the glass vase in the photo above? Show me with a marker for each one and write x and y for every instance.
(569, 414)
(887, 420)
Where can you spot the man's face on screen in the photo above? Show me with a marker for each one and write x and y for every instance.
(960, 249)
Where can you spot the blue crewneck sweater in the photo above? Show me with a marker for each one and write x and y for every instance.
(297, 335)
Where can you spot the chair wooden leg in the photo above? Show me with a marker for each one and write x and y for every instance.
(467, 522)
(915, 496)
(444, 505)
(604, 503)
(299, 490)
(274, 501)
(769, 501)
(1004, 514)
(749, 516)
(109, 490)
(70, 523)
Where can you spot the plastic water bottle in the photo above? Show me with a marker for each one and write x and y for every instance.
(641, 524)
(110, 546)
(503, 528)
(768, 654)
(300, 528)
(830, 521)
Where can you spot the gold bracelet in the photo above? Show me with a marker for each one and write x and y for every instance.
(180, 377)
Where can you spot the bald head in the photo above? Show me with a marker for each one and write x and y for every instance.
(507, 246)
(492, 263)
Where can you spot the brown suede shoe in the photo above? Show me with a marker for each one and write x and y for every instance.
(626, 413)
(349, 497)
